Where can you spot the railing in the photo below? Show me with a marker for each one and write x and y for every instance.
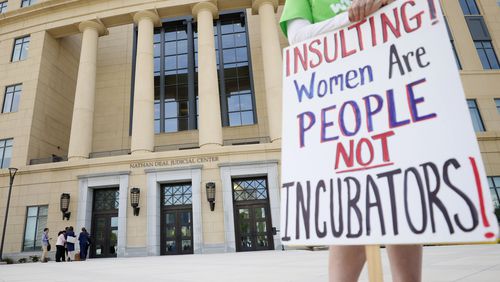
(246, 141)
(163, 148)
(112, 153)
(53, 159)
(176, 147)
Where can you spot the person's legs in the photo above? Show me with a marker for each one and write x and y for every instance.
(71, 255)
(44, 254)
(346, 263)
(406, 262)
(58, 253)
(82, 252)
(63, 253)
(85, 250)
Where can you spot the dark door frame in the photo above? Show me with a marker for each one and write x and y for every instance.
(108, 214)
(177, 209)
(108, 228)
(178, 235)
(252, 204)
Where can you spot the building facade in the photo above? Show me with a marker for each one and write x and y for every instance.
(174, 97)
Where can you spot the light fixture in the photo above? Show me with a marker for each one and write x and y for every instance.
(12, 173)
(64, 204)
(135, 194)
(211, 194)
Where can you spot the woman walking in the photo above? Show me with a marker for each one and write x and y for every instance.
(84, 239)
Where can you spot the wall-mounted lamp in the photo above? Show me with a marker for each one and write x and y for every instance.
(211, 194)
(64, 204)
(135, 194)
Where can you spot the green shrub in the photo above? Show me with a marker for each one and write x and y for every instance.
(22, 260)
(35, 258)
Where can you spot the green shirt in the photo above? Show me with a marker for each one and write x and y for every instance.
(312, 10)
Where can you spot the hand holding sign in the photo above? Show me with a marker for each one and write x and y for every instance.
(359, 9)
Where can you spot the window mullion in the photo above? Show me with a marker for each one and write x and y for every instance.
(13, 95)
(3, 152)
(191, 76)
(4, 100)
(222, 85)
(36, 226)
(162, 80)
(250, 70)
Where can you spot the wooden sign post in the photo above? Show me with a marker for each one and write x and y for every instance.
(374, 261)
(378, 145)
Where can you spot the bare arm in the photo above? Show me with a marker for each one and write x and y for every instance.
(301, 29)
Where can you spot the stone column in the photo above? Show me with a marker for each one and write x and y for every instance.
(143, 113)
(209, 120)
(80, 142)
(273, 63)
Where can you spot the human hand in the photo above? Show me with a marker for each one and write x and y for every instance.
(387, 2)
(360, 9)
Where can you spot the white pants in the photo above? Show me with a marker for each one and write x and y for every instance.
(71, 255)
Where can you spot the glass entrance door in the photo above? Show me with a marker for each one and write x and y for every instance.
(104, 231)
(253, 226)
(176, 219)
(177, 232)
(253, 229)
(105, 235)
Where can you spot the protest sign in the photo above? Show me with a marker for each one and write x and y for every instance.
(378, 144)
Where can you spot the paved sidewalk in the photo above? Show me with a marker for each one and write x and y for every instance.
(446, 263)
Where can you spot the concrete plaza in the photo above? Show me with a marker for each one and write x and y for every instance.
(444, 263)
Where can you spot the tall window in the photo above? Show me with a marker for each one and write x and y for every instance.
(36, 221)
(11, 99)
(21, 46)
(477, 122)
(480, 34)
(457, 59)
(487, 54)
(26, 3)
(497, 102)
(236, 87)
(175, 78)
(3, 7)
(494, 182)
(5, 152)
(176, 74)
(469, 7)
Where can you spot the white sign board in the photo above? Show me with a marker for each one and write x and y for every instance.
(378, 143)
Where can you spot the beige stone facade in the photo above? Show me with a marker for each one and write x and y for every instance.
(79, 71)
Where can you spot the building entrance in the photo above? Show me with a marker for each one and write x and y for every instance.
(176, 219)
(104, 223)
(253, 226)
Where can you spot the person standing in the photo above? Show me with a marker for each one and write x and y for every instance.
(70, 243)
(84, 239)
(66, 229)
(45, 245)
(60, 252)
(305, 19)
